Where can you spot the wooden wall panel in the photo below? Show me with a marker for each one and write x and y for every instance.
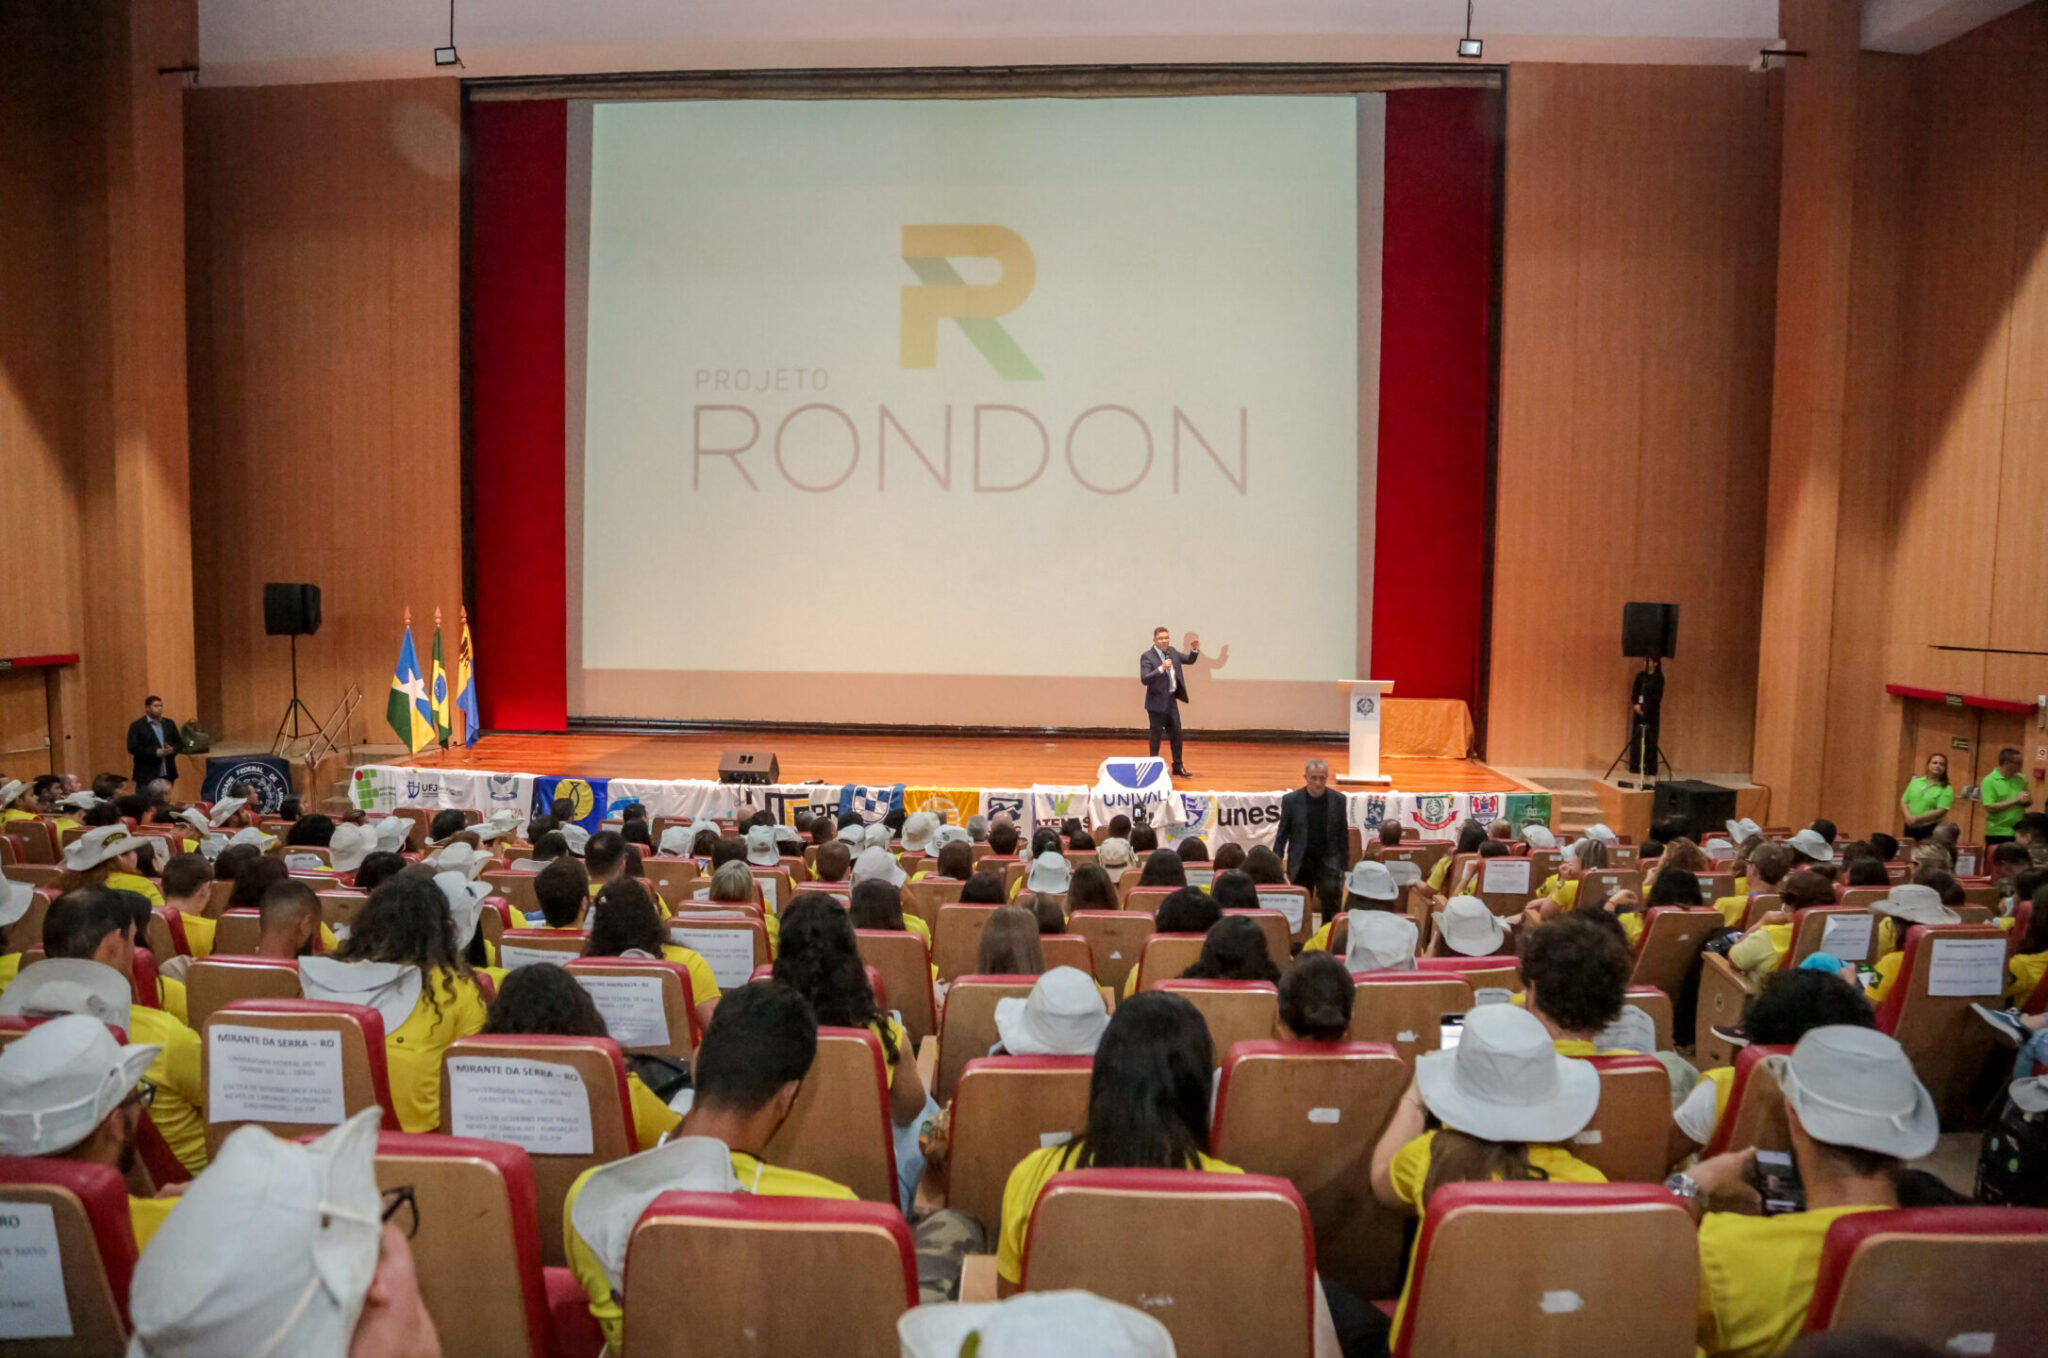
(325, 331)
(1640, 242)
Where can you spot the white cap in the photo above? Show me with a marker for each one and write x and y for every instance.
(269, 1253)
(675, 841)
(1808, 844)
(390, 988)
(2031, 1094)
(1379, 940)
(1854, 1086)
(1538, 837)
(1469, 927)
(98, 845)
(15, 899)
(1916, 904)
(1370, 879)
(460, 858)
(351, 845)
(1049, 872)
(761, 850)
(392, 833)
(576, 837)
(948, 834)
(71, 985)
(875, 836)
(1598, 830)
(1113, 853)
(225, 807)
(465, 903)
(615, 1195)
(1065, 1324)
(918, 830)
(1506, 1082)
(1062, 1016)
(60, 1079)
(877, 864)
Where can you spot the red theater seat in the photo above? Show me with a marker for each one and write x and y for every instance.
(1236, 1011)
(1958, 1279)
(95, 1245)
(846, 1091)
(1004, 1108)
(365, 1082)
(1949, 1046)
(678, 1004)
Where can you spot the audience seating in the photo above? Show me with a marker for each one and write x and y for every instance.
(705, 1269)
(1405, 1009)
(1671, 943)
(680, 1029)
(166, 932)
(37, 840)
(602, 1070)
(365, 1082)
(1630, 1134)
(1166, 956)
(1067, 950)
(1004, 1108)
(1715, 885)
(522, 947)
(95, 1247)
(956, 939)
(237, 932)
(1279, 939)
(1291, 903)
(1725, 991)
(27, 932)
(1605, 881)
(1755, 1115)
(927, 896)
(1423, 856)
(690, 929)
(1761, 904)
(775, 887)
(1116, 938)
(1958, 1279)
(516, 887)
(1498, 972)
(671, 879)
(905, 965)
(1126, 1234)
(1949, 1046)
(847, 1089)
(1657, 1004)
(967, 1029)
(1236, 1011)
(1811, 926)
(1552, 1271)
(213, 982)
(1311, 1113)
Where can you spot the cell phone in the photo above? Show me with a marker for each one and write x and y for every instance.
(1867, 975)
(1778, 1183)
(1453, 1029)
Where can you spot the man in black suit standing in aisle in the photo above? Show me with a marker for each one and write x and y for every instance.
(154, 743)
(1166, 687)
(1314, 838)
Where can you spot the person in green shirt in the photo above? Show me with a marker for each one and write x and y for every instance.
(1927, 799)
(2005, 797)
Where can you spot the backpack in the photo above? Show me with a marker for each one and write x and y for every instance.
(664, 1075)
(2012, 1167)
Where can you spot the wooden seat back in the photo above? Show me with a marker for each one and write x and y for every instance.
(1630, 1133)
(237, 932)
(1847, 931)
(1499, 972)
(672, 880)
(1236, 1011)
(1147, 898)
(516, 887)
(1166, 956)
(648, 1003)
(523, 947)
(212, 982)
(967, 1029)
(1755, 1115)
(1004, 1108)
(1924, 1273)
(1605, 881)
(37, 838)
(1657, 1005)
(1273, 924)
(839, 1126)
(1405, 1009)
(1291, 903)
(353, 1032)
(1725, 992)
(1116, 939)
(926, 896)
(1067, 950)
(1671, 943)
(88, 1207)
(731, 942)
(1948, 1044)
(906, 969)
(956, 939)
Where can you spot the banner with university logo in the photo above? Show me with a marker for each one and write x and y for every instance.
(589, 799)
(384, 787)
(783, 800)
(1246, 818)
(1052, 803)
(870, 802)
(686, 799)
(953, 804)
(1014, 802)
(269, 779)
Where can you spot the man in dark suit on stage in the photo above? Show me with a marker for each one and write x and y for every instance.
(1314, 837)
(154, 743)
(1160, 670)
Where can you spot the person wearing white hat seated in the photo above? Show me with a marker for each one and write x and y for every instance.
(68, 1091)
(15, 899)
(876, 836)
(1469, 929)
(499, 824)
(1064, 1015)
(877, 864)
(393, 833)
(1114, 855)
(17, 801)
(852, 836)
(790, 845)
(224, 812)
(675, 842)
(1539, 837)
(1370, 888)
(106, 857)
(761, 848)
(1050, 874)
(285, 1249)
(1811, 846)
(942, 838)
(351, 845)
(89, 943)
(575, 836)
(920, 828)
(403, 958)
(1907, 904)
(1065, 1324)
(1508, 1105)
(1856, 1112)
(1380, 940)
(1580, 857)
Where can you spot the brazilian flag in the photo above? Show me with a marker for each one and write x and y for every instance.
(444, 722)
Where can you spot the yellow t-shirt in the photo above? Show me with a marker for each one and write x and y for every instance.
(703, 983)
(141, 886)
(145, 1215)
(1762, 952)
(1020, 1198)
(1632, 926)
(1410, 1171)
(652, 1119)
(180, 1095)
(769, 1181)
(1565, 893)
(199, 932)
(1756, 1279)
(1887, 969)
(1723, 1080)
(1733, 909)
(10, 967)
(174, 999)
(1319, 941)
(1579, 1046)
(412, 1054)
(14, 813)
(1437, 871)
(916, 925)
(2026, 969)
(902, 1040)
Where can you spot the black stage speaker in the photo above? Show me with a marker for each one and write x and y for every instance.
(1705, 808)
(291, 610)
(748, 766)
(1649, 631)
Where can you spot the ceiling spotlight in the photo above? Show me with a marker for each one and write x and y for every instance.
(1469, 46)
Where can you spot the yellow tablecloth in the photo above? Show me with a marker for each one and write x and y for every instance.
(1438, 728)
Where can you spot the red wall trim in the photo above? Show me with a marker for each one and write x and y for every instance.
(24, 662)
(1935, 695)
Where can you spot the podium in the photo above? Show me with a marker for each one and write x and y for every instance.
(1364, 697)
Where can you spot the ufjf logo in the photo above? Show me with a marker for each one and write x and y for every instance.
(940, 293)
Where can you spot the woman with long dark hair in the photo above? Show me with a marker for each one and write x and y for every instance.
(1234, 949)
(1163, 867)
(625, 921)
(821, 962)
(548, 1002)
(1148, 1108)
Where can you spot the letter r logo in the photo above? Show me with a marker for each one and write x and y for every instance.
(941, 294)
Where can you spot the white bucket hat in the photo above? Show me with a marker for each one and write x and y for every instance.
(875, 836)
(877, 864)
(1855, 1087)
(918, 830)
(465, 903)
(390, 988)
(1062, 1016)
(1371, 880)
(80, 800)
(1049, 872)
(761, 850)
(1742, 829)
(60, 1079)
(1598, 830)
(614, 1196)
(500, 824)
(852, 835)
(1115, 853)
(1469, 927)
(98, 845)
(948, 834)
(195, 818)
(392, 833)
(1506, 1082)
(1379, 940)
(1538, 837)
(459, 858)
(70, 985)
(787, 838)
(1916, 904)
(249, 834)
(1718, 847)
(270, 1252)
(576, 837)
(700, 825)
(1808, 844)
(15, 899)
(350, 846)
(1034, 1325)
(675, 841)
(11, 790)
(225, 807)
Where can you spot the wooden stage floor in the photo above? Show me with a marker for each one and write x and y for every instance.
(939, 761)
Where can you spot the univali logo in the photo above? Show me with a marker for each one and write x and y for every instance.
(940, 294)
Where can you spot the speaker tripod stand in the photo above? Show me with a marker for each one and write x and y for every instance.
(294, 710)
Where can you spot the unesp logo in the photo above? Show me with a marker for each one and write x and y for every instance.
(942, 294)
